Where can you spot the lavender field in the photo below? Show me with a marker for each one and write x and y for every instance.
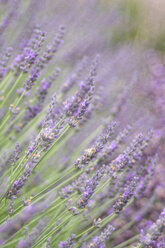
(82, 124)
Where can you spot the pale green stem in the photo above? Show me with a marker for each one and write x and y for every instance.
(128, 242)
(12, 88)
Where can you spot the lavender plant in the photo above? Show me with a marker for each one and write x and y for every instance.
(74, 172)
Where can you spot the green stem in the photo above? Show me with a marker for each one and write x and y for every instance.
(44, 238)
(19, 99)
(128, 242)
(3, 84)
(12, 88)
(5, 121)
(58, 186)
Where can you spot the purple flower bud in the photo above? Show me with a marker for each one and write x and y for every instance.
(129, 192)
(99, 241)
(68, 243)
(152, 233)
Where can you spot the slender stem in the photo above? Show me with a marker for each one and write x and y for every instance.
(19, 99)
(5, 121)
(58, 186)
(3, 84)
(86, 231)
(44, 238)
(128, 242)
(12, 88)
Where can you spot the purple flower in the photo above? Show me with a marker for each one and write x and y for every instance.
(68, 243)
(129, 192)
(100, 142)
(99, 241)
(154, 231)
